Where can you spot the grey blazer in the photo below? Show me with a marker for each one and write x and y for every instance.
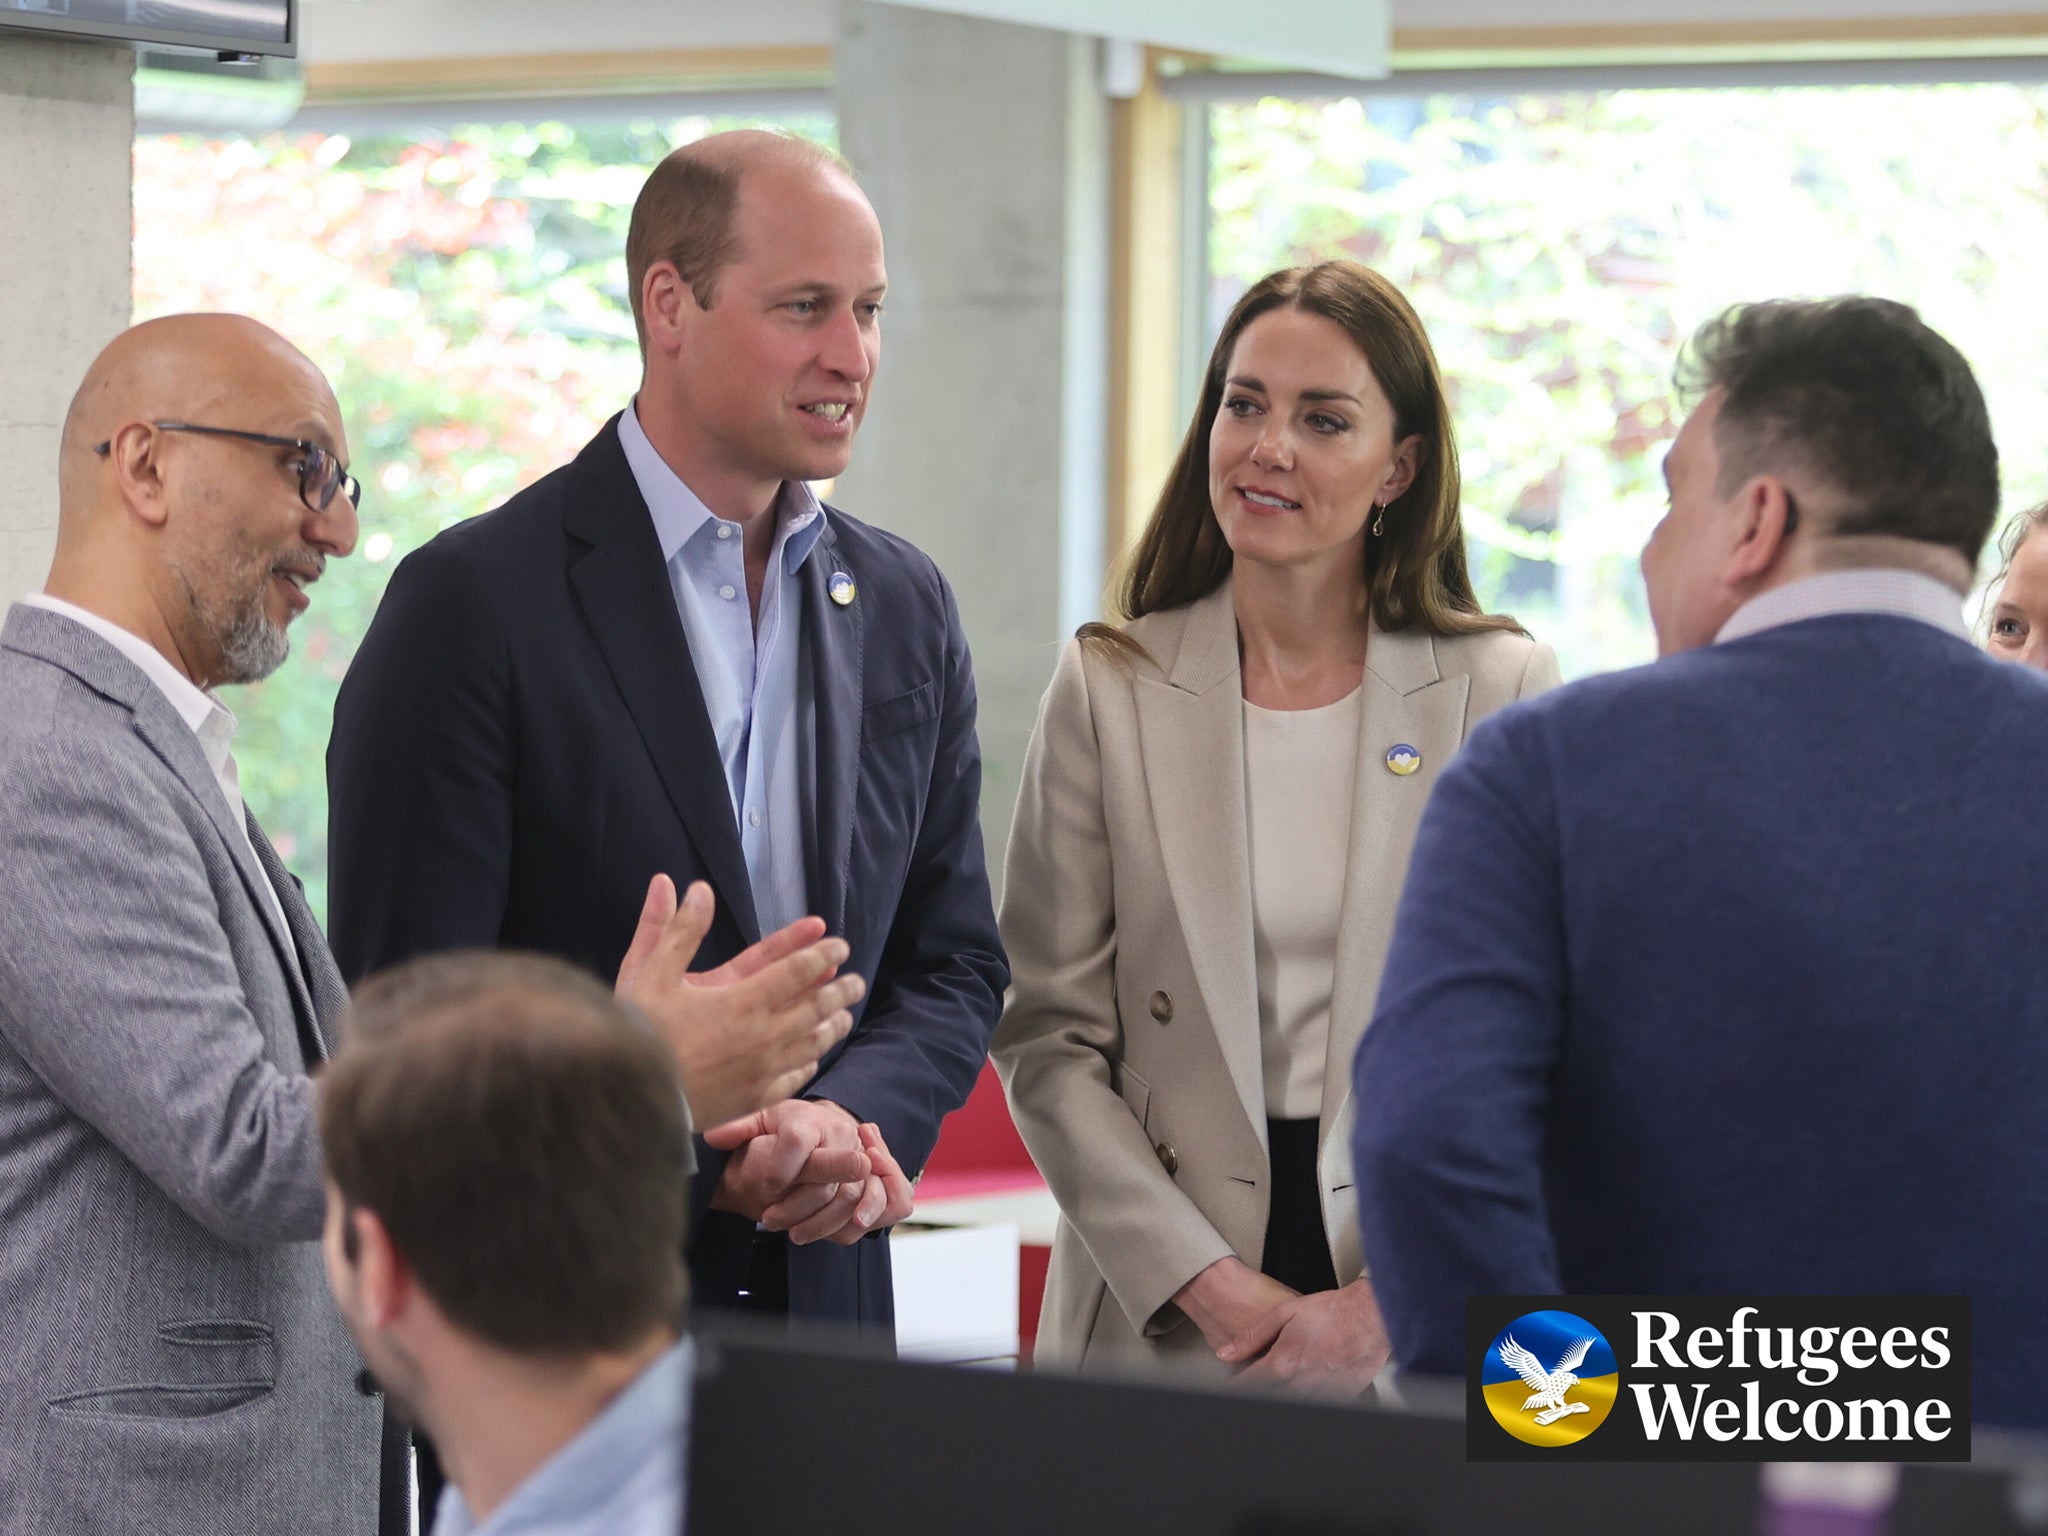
(1130, 1047)
(170, 1360)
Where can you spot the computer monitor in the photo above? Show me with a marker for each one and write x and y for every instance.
(211, 26)
(826, 1440)
(811, 1435)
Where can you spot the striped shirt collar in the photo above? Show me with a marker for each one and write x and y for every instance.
(1899, 593)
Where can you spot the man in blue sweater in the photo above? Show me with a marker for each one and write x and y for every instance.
(1726, 974)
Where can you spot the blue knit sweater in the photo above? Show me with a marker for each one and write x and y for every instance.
(1728, 974)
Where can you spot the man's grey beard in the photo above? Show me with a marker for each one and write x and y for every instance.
(250, 646)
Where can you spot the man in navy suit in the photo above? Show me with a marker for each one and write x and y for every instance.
(668, 656)
(1725, 974)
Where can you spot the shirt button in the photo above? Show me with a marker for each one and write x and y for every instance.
(753, 818)
(728, 592)
(724, 530)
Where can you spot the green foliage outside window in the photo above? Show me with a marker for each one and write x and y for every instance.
(1560, 248)
(466, 294)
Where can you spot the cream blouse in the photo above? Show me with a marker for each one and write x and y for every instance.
(1301, 766)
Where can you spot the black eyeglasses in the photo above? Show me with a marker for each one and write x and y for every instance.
(320, 472)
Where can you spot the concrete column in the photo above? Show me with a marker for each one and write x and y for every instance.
(67, 135)
(985, 148)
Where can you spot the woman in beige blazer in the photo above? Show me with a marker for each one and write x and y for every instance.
(1212, 831)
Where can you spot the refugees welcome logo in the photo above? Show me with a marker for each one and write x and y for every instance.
(1549, 1378)
(1719, 1378)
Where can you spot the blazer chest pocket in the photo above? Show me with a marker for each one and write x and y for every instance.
(195, 1370)
(888, 717)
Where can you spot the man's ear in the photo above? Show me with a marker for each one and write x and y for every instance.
(385, 1284)
(132, 453)
(1764, 529)
(666, 306)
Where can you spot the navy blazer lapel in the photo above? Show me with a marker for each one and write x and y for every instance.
(623, 584)
(835, 636)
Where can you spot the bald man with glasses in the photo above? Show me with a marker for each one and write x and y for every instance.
(171, 1361)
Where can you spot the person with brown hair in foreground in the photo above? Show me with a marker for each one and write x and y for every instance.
(506, 1152)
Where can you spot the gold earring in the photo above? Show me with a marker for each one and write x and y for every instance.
(1379, 520)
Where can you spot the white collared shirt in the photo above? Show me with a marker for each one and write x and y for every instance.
(1887, 590)
(209, 719)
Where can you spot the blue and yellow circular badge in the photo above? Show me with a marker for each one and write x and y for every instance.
(1549, 1378)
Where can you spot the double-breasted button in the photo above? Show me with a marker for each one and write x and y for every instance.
(1162, 1007)
(1168, 1158)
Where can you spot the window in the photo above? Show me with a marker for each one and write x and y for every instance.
(466, 294)
(1560, 247)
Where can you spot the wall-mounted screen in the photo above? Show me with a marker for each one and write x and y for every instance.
(232, 26)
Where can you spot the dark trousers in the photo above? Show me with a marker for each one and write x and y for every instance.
(765, 1291)
(1297, 1248)
(394, 1481)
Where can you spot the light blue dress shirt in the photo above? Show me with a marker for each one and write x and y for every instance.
(753, 675)
(622, 1476)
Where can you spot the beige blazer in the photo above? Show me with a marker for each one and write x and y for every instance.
(1130, 1046)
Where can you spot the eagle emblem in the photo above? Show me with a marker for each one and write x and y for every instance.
(1550, 1386)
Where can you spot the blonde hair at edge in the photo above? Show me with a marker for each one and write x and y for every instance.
(2003, 606)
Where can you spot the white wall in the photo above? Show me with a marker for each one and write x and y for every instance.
(67, 127)
(354, 31)
(985, 443)
(351, 31)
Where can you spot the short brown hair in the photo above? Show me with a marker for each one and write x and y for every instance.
(520, 1132)
(1415, 573)
(684, 215)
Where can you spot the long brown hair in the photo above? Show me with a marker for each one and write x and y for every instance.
(1415, 572)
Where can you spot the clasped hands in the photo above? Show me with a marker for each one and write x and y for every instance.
(1331, 1344)
(746, 1037)
(811, 1169)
